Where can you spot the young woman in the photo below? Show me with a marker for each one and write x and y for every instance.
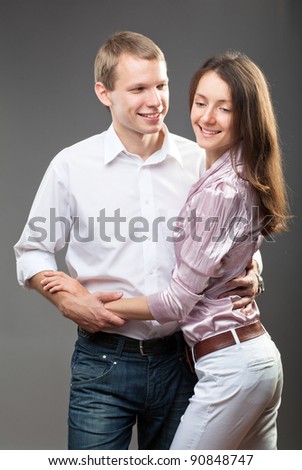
(239, 200)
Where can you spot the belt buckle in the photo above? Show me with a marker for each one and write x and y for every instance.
(141, 348)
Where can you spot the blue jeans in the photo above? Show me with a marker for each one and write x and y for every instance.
(111, 390)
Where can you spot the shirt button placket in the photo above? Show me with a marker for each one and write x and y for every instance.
(148, 213)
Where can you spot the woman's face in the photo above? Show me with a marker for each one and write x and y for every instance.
(212, 116)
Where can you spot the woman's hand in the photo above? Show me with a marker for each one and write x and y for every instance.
(58, 281)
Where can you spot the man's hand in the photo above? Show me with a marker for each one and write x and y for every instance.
(245, 287)
(88, 310)
(79, 305)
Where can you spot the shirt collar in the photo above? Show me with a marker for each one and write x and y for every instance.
(221, 166)
(170, 148)
(114, 146)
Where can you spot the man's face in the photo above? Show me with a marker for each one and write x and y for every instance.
(140, 99)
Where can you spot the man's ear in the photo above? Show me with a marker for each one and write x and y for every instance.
(102, 93)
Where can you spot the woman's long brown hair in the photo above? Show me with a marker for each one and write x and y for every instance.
(256, 132)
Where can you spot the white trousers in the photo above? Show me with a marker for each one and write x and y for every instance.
(236, 399)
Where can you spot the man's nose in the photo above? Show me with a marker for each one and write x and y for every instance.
(154, 98)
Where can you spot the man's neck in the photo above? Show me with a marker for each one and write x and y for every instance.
(142, 145)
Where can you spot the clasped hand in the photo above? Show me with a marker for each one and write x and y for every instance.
(88, 310)
(76, 303)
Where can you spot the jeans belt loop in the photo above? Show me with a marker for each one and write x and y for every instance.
(141, 348)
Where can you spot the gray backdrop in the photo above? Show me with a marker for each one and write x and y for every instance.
(47, 102)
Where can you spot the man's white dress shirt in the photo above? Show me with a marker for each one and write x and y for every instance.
(116, 212)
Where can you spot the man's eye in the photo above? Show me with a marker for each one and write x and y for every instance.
(138, 89)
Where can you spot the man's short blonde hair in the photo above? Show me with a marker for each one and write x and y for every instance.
(127, 42)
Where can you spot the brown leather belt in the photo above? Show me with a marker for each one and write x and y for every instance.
(223, 340)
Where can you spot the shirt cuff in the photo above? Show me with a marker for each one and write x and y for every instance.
(33, 262)
(166, 306)
(258, 258)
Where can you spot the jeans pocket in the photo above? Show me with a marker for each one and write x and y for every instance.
(89, 364)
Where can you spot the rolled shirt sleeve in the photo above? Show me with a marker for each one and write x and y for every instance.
(48, 225)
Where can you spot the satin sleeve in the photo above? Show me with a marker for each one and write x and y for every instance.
(219, 220)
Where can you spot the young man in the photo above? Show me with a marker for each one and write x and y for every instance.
(115, 198)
